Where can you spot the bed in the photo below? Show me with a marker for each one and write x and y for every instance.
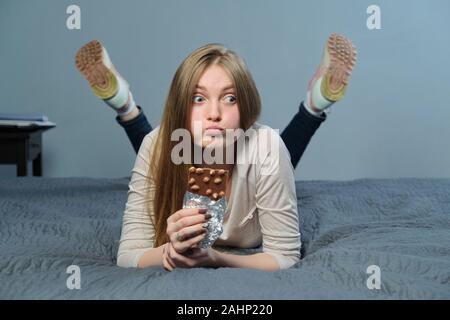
(401, 226)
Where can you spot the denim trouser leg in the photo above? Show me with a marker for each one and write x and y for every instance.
(299, 132)
(136, 129)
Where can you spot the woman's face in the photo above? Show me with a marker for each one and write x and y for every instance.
(214, 106)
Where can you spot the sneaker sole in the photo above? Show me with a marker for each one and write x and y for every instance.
(342, 55)
(89, 61)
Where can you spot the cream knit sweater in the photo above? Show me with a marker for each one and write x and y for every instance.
(262, 207)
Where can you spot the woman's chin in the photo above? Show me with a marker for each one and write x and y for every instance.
(213, 142)
(217, 141)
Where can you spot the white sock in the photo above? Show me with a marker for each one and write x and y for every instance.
(127, 108)
(123, 101)
(130, 106)
(308, 107)
(121, 97)
(318, 100)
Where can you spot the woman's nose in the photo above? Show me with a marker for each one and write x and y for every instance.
(214, 111)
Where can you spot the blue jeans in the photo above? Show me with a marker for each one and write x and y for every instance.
(136, 129)
(296, 135)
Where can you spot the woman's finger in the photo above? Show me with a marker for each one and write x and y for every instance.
(188, 244)
(166, 264)
(169, 257)
(194, 253)
(186, 222)
(182, 213)
(182, 246)
(195, 240)
(171, 263)
(189, 232)
(182, 260)
(169, 254)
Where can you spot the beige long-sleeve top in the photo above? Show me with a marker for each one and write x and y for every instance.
(262, 206)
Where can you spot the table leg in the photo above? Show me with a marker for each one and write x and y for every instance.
(22, 167)
(37, 165)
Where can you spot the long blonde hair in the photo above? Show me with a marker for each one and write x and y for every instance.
(170, 180)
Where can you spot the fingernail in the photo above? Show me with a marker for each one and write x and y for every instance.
(208, 216)
(202, 210)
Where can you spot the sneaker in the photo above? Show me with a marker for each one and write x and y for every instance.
(338, 60)
(93, 61)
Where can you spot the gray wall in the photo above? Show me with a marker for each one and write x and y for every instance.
(394, 121)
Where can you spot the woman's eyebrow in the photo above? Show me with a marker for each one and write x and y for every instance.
(224, 89)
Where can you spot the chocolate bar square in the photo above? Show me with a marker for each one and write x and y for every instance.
(208, 182)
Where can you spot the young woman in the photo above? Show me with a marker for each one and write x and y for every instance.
(213, 87)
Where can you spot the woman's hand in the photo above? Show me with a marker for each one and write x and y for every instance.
(186, 228)
(192, 258)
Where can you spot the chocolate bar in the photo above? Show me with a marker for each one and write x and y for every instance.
(208, 182)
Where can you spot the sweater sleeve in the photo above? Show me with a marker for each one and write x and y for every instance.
(276, 202)
(137, 228)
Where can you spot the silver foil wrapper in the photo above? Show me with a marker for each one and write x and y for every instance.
(215, 208)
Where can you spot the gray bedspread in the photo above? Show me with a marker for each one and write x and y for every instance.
(400, 225)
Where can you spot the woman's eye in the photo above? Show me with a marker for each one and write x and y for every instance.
(231, 99)
(197, 99)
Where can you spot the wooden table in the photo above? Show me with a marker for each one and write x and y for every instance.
(18, 145)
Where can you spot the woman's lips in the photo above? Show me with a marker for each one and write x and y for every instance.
(214, 131)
